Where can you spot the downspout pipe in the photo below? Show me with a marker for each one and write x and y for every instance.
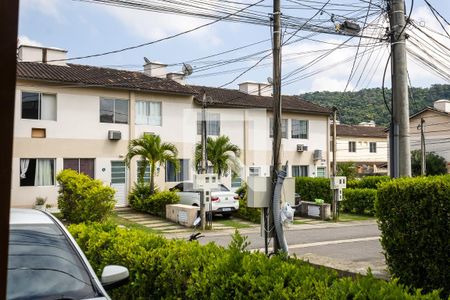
(276, 211)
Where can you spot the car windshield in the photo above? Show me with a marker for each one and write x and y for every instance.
(221, 188)
(43, 265)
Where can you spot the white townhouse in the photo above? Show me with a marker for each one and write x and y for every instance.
(364, 145)
(82, 117)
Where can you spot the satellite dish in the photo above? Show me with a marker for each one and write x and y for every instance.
(147, 61)
(269, 80)
(187, 69)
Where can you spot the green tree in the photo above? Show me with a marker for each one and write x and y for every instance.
(151, 152)
(347, 169)
(435, 164)
(221, 153)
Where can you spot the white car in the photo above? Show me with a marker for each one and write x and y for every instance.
(45, 262)
(223, 201)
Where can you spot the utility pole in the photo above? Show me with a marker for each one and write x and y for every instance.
(335, 200)
(276, 53)
(422, 149)
(400, 105)
(204, 166)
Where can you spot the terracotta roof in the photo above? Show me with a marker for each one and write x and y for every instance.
(236, 99)
(359, 131)
(98, 77)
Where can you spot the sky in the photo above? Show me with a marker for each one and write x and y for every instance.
(85, 28)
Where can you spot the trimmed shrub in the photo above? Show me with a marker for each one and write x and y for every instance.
(414, 218)
(311, 188)
(359, 201)
(155, 204)
(367, 182)
(83, 199)
(177, 269)
(244, 212)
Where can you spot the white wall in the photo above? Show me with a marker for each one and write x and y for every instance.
(362, 153)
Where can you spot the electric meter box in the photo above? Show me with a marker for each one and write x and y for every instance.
(338, 182)
(206, 181)
(259, 191)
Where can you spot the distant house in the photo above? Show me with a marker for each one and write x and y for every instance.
(436, 129)
(364, 145)
(82, 117)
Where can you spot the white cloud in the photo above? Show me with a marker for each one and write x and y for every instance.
(24, 40)
(151, 26)
(321, 83)
(46, 7)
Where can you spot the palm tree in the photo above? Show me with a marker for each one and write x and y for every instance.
(221, 153)
(153, 153)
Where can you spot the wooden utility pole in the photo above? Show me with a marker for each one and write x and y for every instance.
(335, 200)
(276, 53)
(400, 105)
(422, 149)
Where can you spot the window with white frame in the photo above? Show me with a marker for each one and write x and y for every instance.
(284, 126)
(174, 175)
(299, 129)
(351, 146)
(148, 113)
(373, 147)
(300, 171)
(321, 172)
(254, 171)
(38, 106)
(113, 111)
(81, 165)
(37, 171)
(212, 123)
(143, 171)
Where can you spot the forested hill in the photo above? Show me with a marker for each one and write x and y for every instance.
(368, 104)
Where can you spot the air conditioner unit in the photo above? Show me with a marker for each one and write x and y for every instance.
(114, 135)
(301, 148)
(317, 155)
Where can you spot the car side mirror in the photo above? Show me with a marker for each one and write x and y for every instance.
(114, 276)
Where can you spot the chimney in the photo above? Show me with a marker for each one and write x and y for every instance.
(178, 77)
(256, 88)
(51, 56)
(155, 69)
(442, 105)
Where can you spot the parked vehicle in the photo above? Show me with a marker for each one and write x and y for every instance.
(223, 201)
(45, 262)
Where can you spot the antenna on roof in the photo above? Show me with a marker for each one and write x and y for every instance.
(270, 80)
(147, 61)
(187, 69)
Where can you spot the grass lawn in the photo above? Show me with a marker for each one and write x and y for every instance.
(233, 223)
(345, 217)
(129, 224)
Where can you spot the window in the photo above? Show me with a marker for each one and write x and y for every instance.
(254, 171)
(236, 181)
(300, 171)
(351, 146)
(373, 147)
(172, 175)
(114, 111)
(81, 165)
(148, 113)
(37, 172)
(143, 174)
(284, 125)
(321, 172)
(212, 123)
(38, 106)
(300, 129)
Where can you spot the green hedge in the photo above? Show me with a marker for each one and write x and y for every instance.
(141, 199)
(359, 201)
(177, 269)
(414, 218)
(83, 199)
(311, 188)
(367, 182)
(244, 212)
